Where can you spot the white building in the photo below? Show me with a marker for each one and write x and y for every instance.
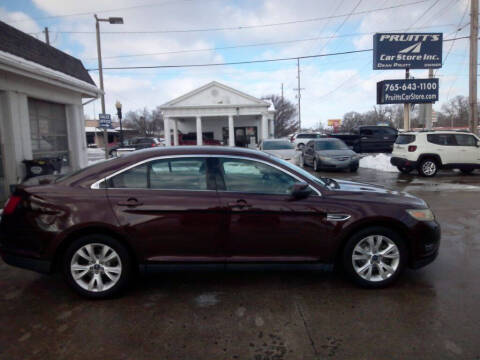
(218, 112)
(41, 111)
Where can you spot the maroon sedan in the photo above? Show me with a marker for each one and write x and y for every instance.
(197, 206)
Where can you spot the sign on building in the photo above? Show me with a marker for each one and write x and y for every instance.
(407, 51)
(407, 91)
(104, 121)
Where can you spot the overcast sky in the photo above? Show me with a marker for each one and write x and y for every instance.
(332, 85)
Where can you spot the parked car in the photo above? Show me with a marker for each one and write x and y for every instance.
(299, 140)
(159, 208)
(369, 138)
(135, 144)
(329, 154)
(430, 151)
(281, 148)
(191, 139)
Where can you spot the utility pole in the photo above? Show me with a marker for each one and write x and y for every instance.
(282, 93)
(472, 94)
(299, 95)
(47, 36)
(111, 20)
(406, 108)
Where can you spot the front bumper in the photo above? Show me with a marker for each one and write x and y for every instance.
(337, 164)
(425, 243)
(401, 162)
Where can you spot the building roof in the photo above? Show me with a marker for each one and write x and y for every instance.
(20, 44)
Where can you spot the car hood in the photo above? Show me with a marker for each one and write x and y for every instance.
(369, 192)
(335, 153)
(282, 154)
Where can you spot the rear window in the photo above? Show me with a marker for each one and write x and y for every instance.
(405, 139)
(308, 136)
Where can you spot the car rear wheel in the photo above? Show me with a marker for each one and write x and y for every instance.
(300, 146)
(405, 169)
(427, 167)
(97, 266)
(374, 257)
(354, 168)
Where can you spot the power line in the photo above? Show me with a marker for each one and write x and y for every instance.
(246, 61)
(244, 27)
(253, 44)
(98, 11)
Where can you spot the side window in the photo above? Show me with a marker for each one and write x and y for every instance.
(442, 139)
(465, 140)
(134, 178)
(167, 174)
(366, 132)
(179, 174)
(255, 177)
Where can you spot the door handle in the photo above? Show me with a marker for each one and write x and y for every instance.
(239, 204)
(131, 202)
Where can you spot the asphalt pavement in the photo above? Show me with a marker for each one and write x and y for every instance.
(431, 313)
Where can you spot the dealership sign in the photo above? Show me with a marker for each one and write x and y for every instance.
(407, 51)
(404, 91)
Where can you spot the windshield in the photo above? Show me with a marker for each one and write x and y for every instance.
(277, 145)
(332, 144)
(299, 170)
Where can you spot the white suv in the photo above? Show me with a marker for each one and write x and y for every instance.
(429, 151)
(299, 140)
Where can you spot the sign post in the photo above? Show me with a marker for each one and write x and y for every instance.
(105, 122)
(407, 51)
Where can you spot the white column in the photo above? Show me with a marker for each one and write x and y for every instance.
(175, 132)
(231, 131)
(166, 129)
(271, 128)
(199, 131)
(76, 136)
(264, 127)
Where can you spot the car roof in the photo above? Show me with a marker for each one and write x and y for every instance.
(282, 139)
(435, 132)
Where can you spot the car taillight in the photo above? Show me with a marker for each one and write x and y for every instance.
(412, 148)
(153, 145)
(11, 204)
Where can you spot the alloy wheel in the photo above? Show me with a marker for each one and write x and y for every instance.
(96, 267)
(375, 258)
(429, 168)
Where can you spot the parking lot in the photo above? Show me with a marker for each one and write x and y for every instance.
(431, 313)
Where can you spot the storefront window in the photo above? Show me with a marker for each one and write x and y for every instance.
(48, 129)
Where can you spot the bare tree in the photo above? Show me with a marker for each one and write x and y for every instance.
(285, 116)
(145, 123)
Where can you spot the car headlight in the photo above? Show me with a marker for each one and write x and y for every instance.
(421, 214)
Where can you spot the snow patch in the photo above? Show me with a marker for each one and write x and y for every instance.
(380, 162)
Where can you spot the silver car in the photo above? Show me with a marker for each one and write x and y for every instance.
(329, 154)
(281, 148)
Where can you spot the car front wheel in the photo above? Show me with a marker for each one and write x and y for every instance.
(97, 266)
(374, 257)
(316, 167)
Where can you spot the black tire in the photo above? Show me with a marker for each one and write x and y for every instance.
(404, 169)
(300, 146)
(354, 168)
(467, 171)
(357, 148)
(348, 250)
(315, 165)
(428, 167)
(100, 240)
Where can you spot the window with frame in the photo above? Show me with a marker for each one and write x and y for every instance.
(48, 129)
(442, 139)
(164, 174)
(465, 140)
(255, 177)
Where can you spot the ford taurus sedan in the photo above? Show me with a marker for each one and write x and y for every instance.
(164, 207)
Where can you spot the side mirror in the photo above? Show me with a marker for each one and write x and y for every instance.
(300, 190)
